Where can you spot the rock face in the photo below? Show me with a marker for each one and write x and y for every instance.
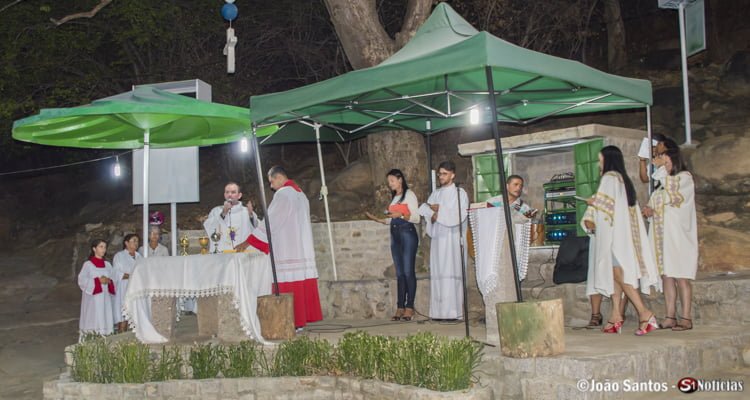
(723, 249)
(724, 164)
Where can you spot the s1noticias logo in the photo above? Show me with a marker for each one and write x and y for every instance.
(687, 385)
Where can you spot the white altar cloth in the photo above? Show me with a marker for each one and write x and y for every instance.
(246, 276)
(489, 233)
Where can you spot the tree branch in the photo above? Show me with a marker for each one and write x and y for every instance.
(9, 5)
(87, 14)
(417, 12)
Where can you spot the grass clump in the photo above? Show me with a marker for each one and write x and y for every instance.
(422, 360)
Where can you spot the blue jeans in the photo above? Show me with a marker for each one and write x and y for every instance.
(404, 243)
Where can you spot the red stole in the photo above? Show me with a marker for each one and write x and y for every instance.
(99, 263)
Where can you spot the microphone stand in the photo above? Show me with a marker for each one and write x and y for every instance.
(463, 261)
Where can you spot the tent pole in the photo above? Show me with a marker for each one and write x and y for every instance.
(463, 260)
(683, 59)
(146, 140)
(431, 177)
(501, 173)
(324, 193)
(650, 159)
(173, 222)
(256, 150)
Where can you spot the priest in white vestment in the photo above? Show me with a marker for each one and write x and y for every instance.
(123, 265)
(232, 220)
(293, 251)
(674, 234)
(443, 214)
(620, 257)
(98, 288)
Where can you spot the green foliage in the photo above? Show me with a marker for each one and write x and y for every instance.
(303, 356)
(207, 360)
(168, 365)
(422, 360)
(244, 360)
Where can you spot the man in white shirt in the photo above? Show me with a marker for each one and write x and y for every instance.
(232, 220)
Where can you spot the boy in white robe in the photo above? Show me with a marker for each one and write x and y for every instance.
(443, 215)
(98, 288)
(293, 251)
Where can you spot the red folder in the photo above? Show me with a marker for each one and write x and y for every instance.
(402, 208)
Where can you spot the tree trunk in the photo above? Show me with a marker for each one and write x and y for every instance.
(617, 56)
(366, 43)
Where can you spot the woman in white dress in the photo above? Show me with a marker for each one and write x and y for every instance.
(155, 249)
(98, 289)
(620, 258)
(124, 263)
(674, 234)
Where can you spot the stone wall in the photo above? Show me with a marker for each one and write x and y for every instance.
(316, 388)
(362, 249)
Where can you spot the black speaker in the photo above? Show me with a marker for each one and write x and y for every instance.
(572, 262)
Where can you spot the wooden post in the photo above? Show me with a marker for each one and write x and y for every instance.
(531, 329)
(276, 315)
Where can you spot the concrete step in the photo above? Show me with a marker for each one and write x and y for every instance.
(720, 299)
(653, 362)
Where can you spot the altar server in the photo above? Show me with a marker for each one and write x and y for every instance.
(443, 211)
(294, 254)
(95, 281)
(124, 264)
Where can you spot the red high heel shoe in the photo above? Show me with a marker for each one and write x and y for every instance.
(651, 325)
(615, 328)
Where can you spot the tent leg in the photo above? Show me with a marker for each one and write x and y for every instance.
(650, 159)
(683, 59)
(501, 173)
(256, 150)
(324, 192)
(463, 260)
(431, 177)
(173, 222)
(146, 139)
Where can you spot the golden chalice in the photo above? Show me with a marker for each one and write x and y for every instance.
(184, 243)
(203, 241)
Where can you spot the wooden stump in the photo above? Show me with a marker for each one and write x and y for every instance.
(531, 329)
(276, 315)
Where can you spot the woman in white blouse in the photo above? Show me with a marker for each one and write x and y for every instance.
(402, 216)
(124, 264)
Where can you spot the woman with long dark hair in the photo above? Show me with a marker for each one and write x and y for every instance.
(402, 216)
(674, 235)
(620, 258)
(98, 289)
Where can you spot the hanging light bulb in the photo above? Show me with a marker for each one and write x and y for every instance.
(117, 171)
(474, 116)
(243, 145)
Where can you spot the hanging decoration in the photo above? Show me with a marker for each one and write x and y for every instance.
(229, 12)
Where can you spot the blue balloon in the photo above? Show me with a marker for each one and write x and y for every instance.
(229, 12)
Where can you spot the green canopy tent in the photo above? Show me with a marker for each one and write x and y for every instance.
(145, 118)
(447, 70)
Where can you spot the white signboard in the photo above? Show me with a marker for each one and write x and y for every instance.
(173, 176)
(695, 27)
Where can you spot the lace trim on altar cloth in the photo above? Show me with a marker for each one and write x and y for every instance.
(215, 291)
(523, 241)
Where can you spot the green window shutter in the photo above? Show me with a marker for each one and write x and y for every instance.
(486, 178)
(587, 174)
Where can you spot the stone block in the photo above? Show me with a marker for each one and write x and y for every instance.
(163, 312)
